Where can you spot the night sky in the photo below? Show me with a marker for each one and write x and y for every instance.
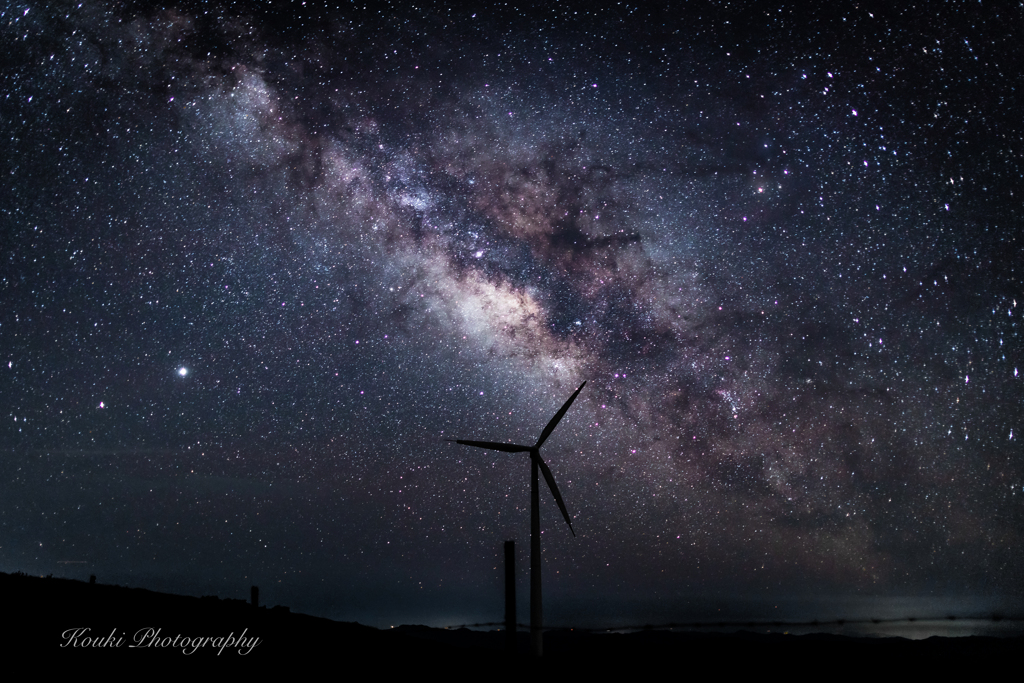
(258, 262)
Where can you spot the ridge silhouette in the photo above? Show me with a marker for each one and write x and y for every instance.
(38, 611)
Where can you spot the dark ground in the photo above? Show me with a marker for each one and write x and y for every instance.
(41, 615)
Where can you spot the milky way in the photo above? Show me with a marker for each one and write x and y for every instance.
(258, 265)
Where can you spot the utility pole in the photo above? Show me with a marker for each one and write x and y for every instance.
(510, 598)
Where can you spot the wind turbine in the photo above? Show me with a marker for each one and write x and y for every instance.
(536, 616)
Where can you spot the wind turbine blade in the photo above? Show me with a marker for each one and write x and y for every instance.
(558, 417)
(493, 445)
(551, 484)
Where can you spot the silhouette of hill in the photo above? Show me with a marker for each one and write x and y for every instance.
(69, 623)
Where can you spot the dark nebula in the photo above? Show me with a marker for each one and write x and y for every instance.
(257, 264)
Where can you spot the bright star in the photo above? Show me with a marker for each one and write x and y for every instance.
(182, 371)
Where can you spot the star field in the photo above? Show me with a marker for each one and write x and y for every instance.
(260, 261)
